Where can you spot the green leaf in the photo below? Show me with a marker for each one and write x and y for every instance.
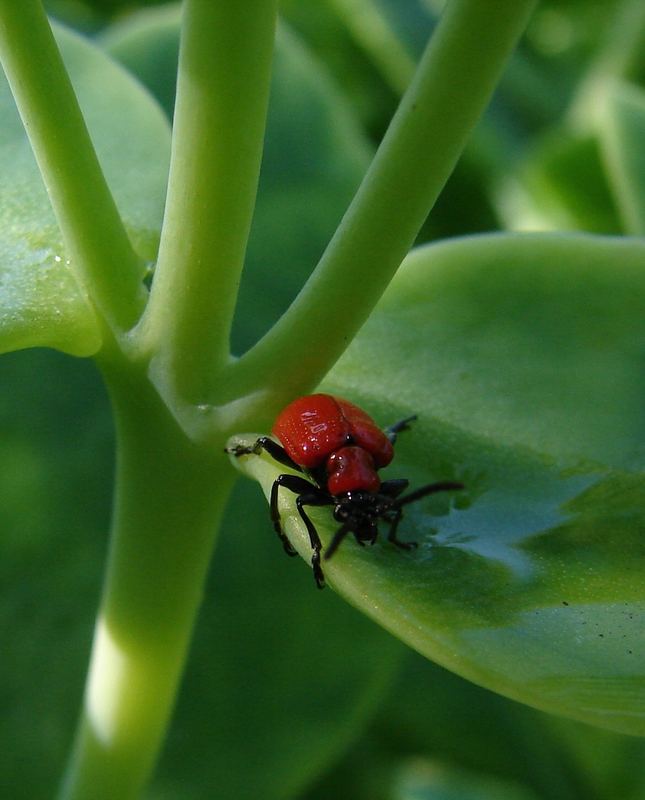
(612, 764)
(622, 136)
(522, 356)
(422, 779)
(57, 456)
(146, 42)
(40, 300)
(433, 714)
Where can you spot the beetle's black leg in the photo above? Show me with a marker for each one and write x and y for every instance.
(308, 494)
(295, 484)
(338, 537)
(315, 498)
(431, 488)
(397, 511)
(391, 535)
(402, 425)
(275, 450)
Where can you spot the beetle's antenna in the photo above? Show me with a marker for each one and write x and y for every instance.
(431, 488)
(402, 425)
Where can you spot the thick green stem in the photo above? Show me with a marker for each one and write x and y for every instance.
(220, 115)
(618, 59)
(169, 497)
(453, 84)
(94, 236)
(369, 27)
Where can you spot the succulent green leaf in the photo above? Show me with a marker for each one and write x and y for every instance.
(146, 42)
(622, 135)
(422, 779)
(41, 303)
(523, 357)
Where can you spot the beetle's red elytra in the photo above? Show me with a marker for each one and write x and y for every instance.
(339, 449)
(315, 429)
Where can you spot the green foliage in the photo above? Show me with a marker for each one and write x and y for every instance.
(521, 354)
(531, 577)
(41, 303)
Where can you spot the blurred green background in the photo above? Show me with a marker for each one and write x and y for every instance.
(289, 693)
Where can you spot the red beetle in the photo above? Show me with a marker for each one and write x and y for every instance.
(339, 448)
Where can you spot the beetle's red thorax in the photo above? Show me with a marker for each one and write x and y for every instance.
(351, 469)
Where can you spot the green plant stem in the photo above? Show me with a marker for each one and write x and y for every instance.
(220, 116)
(370, 29)
(96, 241)
(452, 86)
(619, 59)
(169, 498)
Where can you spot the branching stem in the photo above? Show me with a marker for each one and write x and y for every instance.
(452, 86)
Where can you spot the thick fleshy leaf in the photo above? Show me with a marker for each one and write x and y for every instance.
(422, 779)
(433, 714)
(523, 358)
(40, 300)
(146, 42)
(622, 135)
